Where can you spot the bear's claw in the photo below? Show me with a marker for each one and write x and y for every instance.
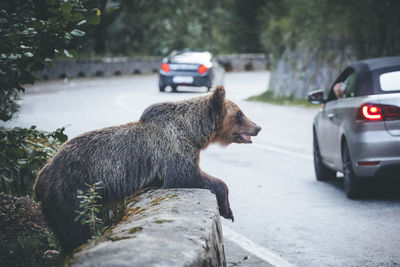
(227, 214)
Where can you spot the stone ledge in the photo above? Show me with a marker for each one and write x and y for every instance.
(165, 227)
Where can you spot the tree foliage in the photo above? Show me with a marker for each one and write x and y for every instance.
(143, 27)
(370, 27)
(32, 33)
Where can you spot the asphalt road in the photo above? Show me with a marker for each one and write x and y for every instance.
(283, 216)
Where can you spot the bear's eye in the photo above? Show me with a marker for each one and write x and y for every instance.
(239, 116)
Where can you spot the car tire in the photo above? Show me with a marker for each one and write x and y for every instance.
(352, 183)
(174, 88)
(162, 88)
(322, 172)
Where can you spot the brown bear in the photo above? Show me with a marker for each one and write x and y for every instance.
(160, 150)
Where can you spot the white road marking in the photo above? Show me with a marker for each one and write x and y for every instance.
(284, 151)
(254, 248)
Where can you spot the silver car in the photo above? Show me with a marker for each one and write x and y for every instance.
(357, 130)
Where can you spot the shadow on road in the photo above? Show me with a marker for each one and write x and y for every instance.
(380, 188)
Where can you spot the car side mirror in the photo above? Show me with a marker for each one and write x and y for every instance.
(316, 97)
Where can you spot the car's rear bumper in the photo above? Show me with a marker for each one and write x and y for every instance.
(378, 148)
(198, 81)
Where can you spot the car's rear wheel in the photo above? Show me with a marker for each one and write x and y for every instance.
(352, 183)
(322, 172)
(162, 88)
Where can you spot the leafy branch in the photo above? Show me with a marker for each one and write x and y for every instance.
(90, 208)
(22, 153)
(32, 34)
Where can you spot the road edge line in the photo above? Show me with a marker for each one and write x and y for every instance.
(255, 249)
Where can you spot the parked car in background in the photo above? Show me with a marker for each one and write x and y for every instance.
(190, 68)
(357, 130)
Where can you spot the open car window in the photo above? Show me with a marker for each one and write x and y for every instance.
(350, 86)
(348, 77)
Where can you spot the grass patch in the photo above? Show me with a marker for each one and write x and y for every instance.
(270, 97)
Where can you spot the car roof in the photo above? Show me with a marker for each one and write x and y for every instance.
(376, 63)
(368, 71)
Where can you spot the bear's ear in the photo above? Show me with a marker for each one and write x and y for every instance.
(218, 97)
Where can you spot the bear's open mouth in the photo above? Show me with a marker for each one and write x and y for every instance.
(245, 138)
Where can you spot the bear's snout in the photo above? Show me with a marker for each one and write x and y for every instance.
(250, 128)
(246, 131)
(253, 130)
(257, 130)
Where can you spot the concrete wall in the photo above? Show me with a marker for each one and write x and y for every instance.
(174, 227)
(129, 66)
(299, 72)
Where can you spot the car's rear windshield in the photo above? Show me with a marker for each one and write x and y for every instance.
(390, 81)
(192, 57)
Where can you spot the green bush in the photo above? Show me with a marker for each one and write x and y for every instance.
(22, 153)
(32, 33)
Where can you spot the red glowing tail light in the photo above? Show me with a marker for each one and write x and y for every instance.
(371, 112)
(165, 67)
(202, 69)
(377, 112)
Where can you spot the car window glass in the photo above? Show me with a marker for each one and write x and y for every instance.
(350, 88)
(390, 81)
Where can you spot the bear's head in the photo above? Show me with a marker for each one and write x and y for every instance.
(234, 127)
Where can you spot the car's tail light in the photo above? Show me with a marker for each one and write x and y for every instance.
(371, 112)
(390, 112)
(368, 163)
(165, 67)
(377, 112)
(202, 69)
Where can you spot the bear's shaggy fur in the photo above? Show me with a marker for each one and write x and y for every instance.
(160, 150)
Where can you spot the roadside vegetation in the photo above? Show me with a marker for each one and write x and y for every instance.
(307, 41)
(270, 97)
(138, 27)
(89, 209)
(32, 34)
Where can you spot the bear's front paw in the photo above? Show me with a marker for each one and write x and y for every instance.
(227, 214)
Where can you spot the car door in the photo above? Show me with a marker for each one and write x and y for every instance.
(332, 117)
(341, 112)
(325, 131)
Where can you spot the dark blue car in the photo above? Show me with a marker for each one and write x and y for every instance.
(190, 68)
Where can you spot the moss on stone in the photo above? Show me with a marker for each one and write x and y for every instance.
(135, 229)
(163, 221)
